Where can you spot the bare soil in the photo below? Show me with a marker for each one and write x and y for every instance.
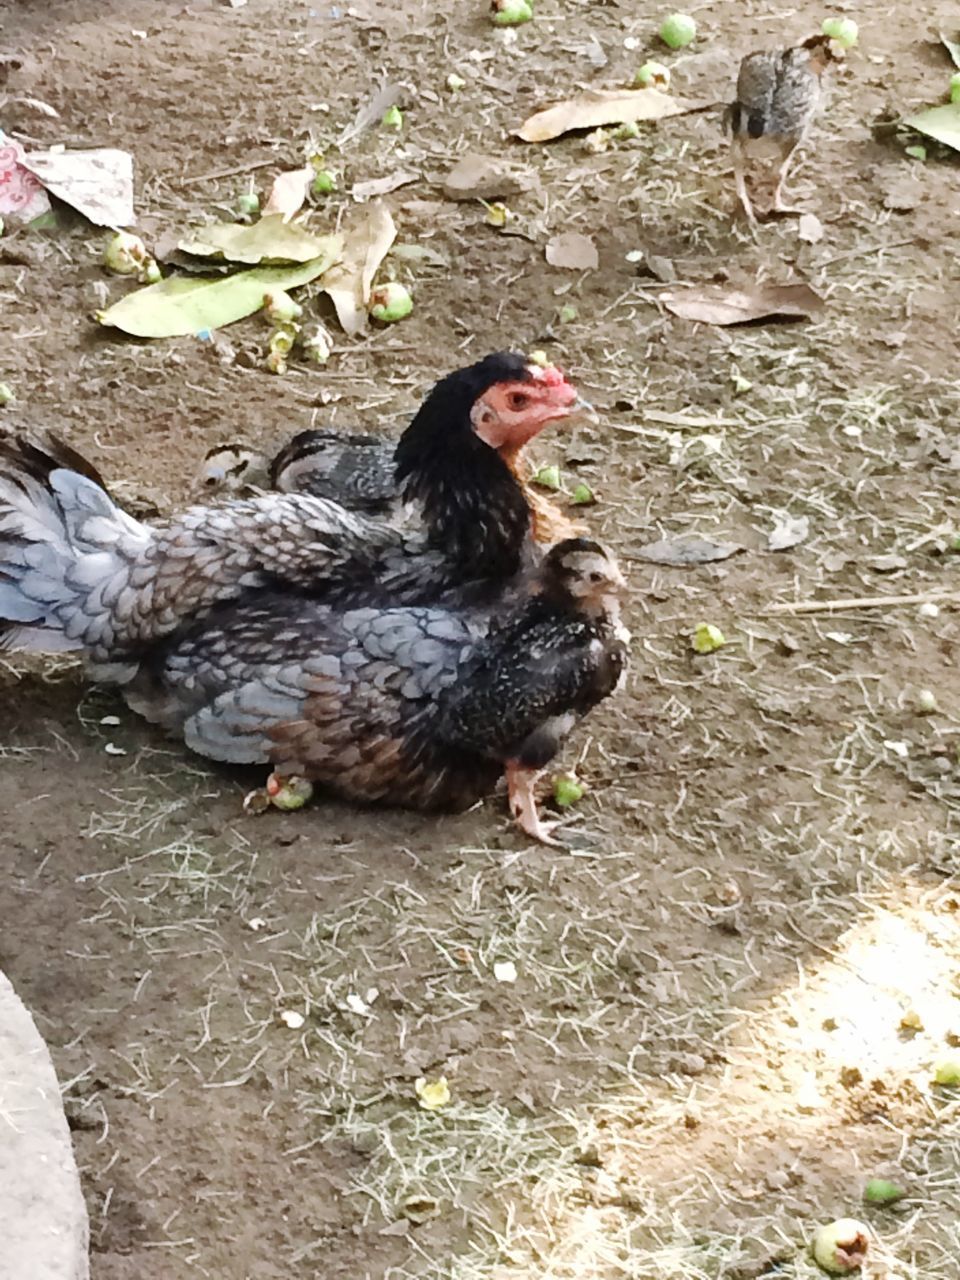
(731, 994)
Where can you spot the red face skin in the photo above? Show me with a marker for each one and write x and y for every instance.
(510, 413)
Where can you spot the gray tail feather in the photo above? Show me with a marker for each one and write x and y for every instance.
(60, 533)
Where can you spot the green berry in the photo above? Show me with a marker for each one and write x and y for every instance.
(841, 1247)
(548, 477)
(652, 74)
(919, 152)
(708, 638)
(947, 1072)
(280, 308)
(843, 30)
(567, 313)
(248, 204)
(511, 13)
(567, 790)
(882, 1192)
(392, 118)
(125, 254)
(6, 393)
(323, 183)
(678, 31)
(582, 496)
(390, 303)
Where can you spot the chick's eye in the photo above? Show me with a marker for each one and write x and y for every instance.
(518, 400)
(596, 577)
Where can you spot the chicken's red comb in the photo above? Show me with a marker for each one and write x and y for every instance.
(551, 375)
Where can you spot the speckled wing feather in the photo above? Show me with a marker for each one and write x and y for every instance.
(354, 469)
(777, 95)
(340, 697)
(531, 680)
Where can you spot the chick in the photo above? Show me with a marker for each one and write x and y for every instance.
(779, 93)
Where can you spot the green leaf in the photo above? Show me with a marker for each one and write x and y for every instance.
(180, 306)
(942, 123)
(269, 240)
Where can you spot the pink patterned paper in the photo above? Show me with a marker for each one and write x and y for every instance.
(22, 197)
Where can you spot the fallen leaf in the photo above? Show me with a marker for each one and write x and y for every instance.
(942, 123)
(789, 531)
(598, 107)
(369, 190)
(98, 183)
(419, 253)
(288, 192)
(481, 177)
(572, 251)
(810, 228)
(952, 47)
(270, 240)
(179, 306)
(716, 304)
(686, 551)
(349, 283)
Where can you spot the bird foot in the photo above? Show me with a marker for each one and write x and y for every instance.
(523, 804)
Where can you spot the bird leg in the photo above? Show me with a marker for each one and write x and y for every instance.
(778, 204)
(742, 192)
(523, 802)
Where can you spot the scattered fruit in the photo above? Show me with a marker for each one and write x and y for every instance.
(919, 152)
(708, 638)
(567, 789)
(947, 1072)
(248, 204)
(317, 345)
(881, 1191)
(324, 182)
(498, 215)
(433, 1094)
(652, 75)
(678, 31)
(582, 496)
(548, 477)
(911, 1022)
(392, 118)
(567, 313)
(841, 1247)
(597, 142)
(843, 30)
(289, 793)
(6, 393)
(926, 702)
(539, 357)
(510, 13)
(280, 308)
(390, 303)
(455, 83)
(624, 132)
(954, 97)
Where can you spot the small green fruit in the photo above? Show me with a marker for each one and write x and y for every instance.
(392, 118)
(567, 313)
(289, 793)
(280, 308)
(582, 496)
(954, 93)
(248, 204)
(567, 790)
(678, 31)
(276, 362)
(455, 83)
(151, 273)
(652, 75)
(947, 1072)
(624, 132)
(926, 702)
(323, 183)
(548, 477)
(708, 638)
(6, 393)
(539, 357)
(843, 30)
(511, 13)
(841, 1247)
(125, 254)
(390, 303)
(498, 215)
(882, 1192)
(317, 345)
(918, 152)
(283, 339)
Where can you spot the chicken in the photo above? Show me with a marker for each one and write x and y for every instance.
(77, 572)
(778, 96)
(417, 707)
(358, 470)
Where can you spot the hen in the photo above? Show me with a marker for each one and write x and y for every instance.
(76, 572)
(779, 93)
(417, 707)
(359, 471)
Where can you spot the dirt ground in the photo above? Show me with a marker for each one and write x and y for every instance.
(731, 994)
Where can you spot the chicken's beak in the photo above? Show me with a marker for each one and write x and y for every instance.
(584, 409)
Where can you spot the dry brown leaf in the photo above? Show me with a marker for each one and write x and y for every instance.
(480, 177)
(349, 283)
(97, 183)
(572, 251)
(684, 551)
(716, 304)
(599, 107)
(363, 191)
(288, 192)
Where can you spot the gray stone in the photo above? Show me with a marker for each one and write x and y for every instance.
(43, 1218)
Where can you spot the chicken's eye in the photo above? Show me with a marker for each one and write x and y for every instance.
(596, 577)
(518, 400)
